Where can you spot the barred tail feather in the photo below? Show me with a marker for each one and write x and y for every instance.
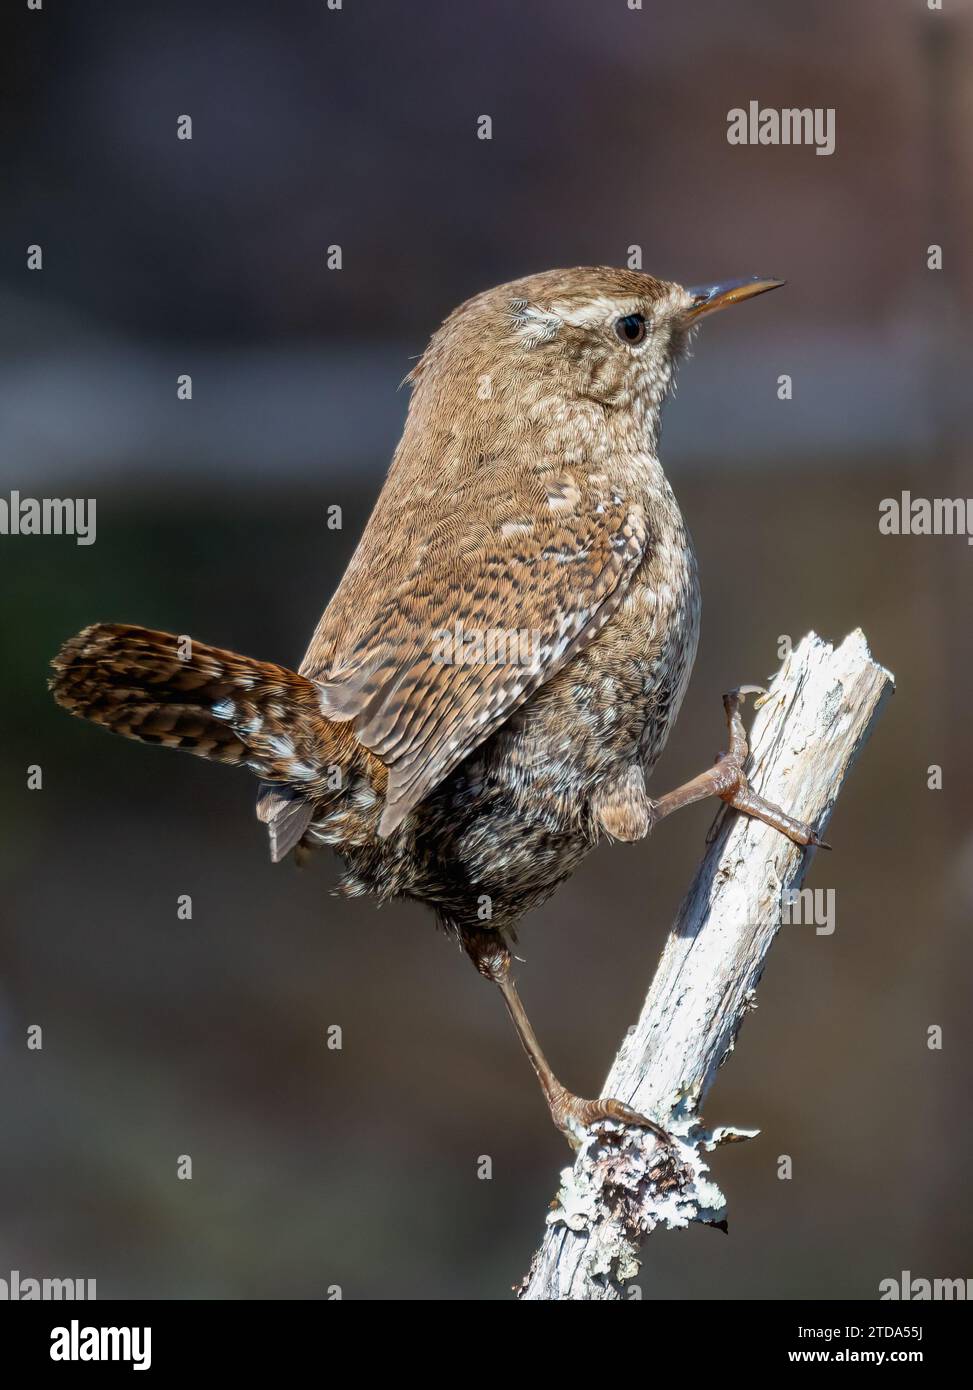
(159, 688)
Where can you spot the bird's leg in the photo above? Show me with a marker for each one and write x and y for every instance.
(728, 780)
(572, 1115)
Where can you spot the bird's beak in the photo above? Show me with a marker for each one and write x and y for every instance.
(706, 299)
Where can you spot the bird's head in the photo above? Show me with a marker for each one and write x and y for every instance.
(594, 335)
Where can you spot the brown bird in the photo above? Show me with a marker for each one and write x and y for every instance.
(492, 683)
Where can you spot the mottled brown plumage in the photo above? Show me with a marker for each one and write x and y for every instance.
(497, 673)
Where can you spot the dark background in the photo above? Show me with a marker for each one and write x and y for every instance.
(164, 1037)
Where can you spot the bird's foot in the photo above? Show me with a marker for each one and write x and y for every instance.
(574, 1117)
(728, 780)
(734, 785)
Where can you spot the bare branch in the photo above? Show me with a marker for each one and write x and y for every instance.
(822, 707)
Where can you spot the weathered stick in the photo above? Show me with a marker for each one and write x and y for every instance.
(822, 707)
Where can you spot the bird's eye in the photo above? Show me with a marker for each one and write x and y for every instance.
(631, 329)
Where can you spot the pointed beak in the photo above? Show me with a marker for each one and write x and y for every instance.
(706, 299)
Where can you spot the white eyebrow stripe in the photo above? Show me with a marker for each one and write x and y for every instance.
(600, 310)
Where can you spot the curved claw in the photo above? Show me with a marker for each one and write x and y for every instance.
(574, 1116)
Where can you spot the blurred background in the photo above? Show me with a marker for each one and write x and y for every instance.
(357, 127)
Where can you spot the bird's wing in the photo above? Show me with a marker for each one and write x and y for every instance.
(494, 601)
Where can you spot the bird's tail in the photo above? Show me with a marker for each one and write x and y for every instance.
(158, 688)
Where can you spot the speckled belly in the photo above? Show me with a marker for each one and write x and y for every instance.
(531, 783)
(514, 820)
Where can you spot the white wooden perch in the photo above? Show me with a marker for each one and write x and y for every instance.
(822, 706)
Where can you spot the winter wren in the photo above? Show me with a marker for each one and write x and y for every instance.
(492, 683)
